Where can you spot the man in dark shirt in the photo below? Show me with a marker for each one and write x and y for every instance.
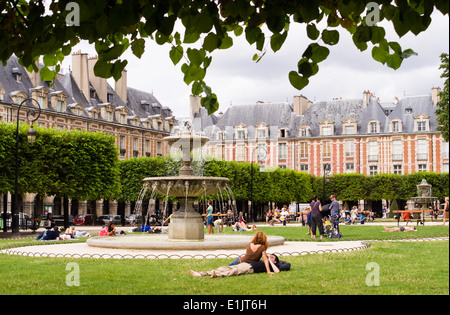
(334, 212)
(51, 235)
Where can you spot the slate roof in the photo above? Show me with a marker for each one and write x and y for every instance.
(67, 84)
(281, 115)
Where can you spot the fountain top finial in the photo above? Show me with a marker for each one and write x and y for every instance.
(424, 189)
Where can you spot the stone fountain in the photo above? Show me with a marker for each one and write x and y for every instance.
(186, 229)
(186, 224)
(424, 194)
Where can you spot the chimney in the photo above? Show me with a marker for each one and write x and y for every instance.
(194, 101)
(301, 104)
(121, 86)
(366, 98)
(35, 77)
(80, 73)
(98, 83)
(435, 95)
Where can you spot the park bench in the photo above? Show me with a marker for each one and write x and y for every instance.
(421, 213)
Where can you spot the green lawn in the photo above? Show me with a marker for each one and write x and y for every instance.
(404, 268)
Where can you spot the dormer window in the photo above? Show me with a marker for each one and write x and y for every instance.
(107, 111)
(408, 110)
(262, 130)
(109, 97)
(77, 109)
(349, 126)
(93, 93)
(17, 75)
(373, 126)
(156, 108)
(121, 114)
(326, 128)
(2, 92)
(18, 97)
(241, 132)
(283, 133)
(422, 123)
(58, 101)
(395, 126)
(220, 135)
(93, 112)
(40, 94)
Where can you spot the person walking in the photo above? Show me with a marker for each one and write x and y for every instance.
(334, 212)
(316, 217)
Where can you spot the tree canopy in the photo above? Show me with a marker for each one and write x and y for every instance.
(30, 31)
(442, 111)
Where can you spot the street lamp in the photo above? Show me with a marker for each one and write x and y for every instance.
(31, 138)
(326, 173)
(262, 154)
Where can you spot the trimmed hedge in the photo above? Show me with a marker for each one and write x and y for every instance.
(76, 164)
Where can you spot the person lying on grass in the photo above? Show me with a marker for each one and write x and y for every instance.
(276, 266)
(401, 229)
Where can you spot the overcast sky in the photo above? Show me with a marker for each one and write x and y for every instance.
(347, 72)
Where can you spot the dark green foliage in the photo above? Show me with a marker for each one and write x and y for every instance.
(76, 164)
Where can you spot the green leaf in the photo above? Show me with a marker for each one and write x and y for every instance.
(394, 61)
(47, 74)
(277, 40)
(227, 42)
(176, 53)
(379, 54)
(103, 69)
(210, 103)
(408, 53)
(330, 37)
(197, 88)
(395, 47)
(305, 68)
(238, 31)
(312, 31)
(275, 23)
(318, 53)
(191, 37)
(138, 47)
(49, 60)
(117, 69)
(196, 56)
(167, 25)
(297, 81)
(211, 42)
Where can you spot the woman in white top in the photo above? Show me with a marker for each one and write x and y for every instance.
(354, 214)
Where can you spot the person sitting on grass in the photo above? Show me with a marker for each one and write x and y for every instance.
(275, 266)
(51, 235)
(400, 229)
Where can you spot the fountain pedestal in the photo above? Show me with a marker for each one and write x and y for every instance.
(186, 224)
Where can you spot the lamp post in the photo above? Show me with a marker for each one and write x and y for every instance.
(31, 138)
(262, 154)
(326, 173)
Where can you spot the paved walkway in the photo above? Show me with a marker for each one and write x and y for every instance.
(79, 250)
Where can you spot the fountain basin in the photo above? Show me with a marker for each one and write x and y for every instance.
(197, 185)
(162, 242)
